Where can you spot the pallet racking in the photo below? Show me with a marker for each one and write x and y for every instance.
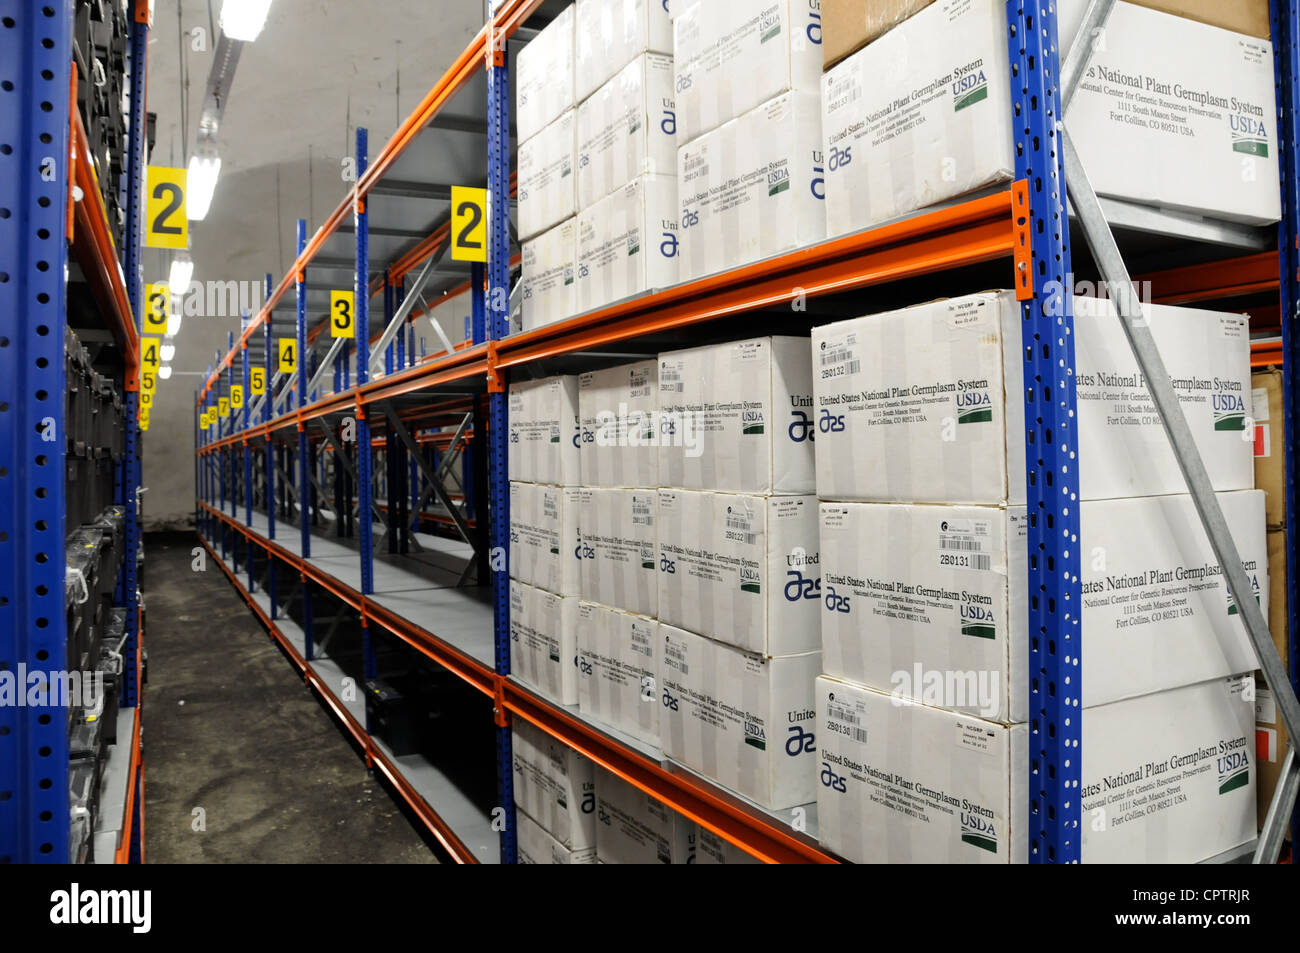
(1022, 231)
(54, 222)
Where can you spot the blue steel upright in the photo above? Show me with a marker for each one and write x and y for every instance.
(35, 57)
(268, 444)
(304, 473)
(1286, 63)
(1051, 444)
(496, 309)
(361, 289)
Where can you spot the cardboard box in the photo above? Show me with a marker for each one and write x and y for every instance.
(1167, 778)
(753, 187)
(543, 641)
(939, 613)
(712, 849)
(611, 33)
(627, 129)
(1241, 16)
(634, 828)
(549, 264)
(730, 57)
(544, 434)
(1270, 442)
(544, 76)
(927, 404)
(536, 846)
(627, 242)
(742, 720)
(1271, 737)
(618, 410)
(1171, 113)
(556, 785)
(741, 569)
(619, 539)
(618, 670)
(849, 25)
(738, 417)
(544, 537)
(547, 186)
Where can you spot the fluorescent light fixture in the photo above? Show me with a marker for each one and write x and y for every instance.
(168, 351)
(201, 181)
(164, 372)
(178, 279)
(244, 19)
(174, 323)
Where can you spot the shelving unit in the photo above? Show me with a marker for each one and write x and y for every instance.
(460, 134)
(61, 270)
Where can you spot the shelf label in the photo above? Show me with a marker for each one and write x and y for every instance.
(144, 419)
(166, 222)
(157, 306)
(468, 224)
(205, 421)
(149, 359)
(148, 383)
(236, 396)
(257, 380)
(288, 355)
(223, 407)
(342, 308)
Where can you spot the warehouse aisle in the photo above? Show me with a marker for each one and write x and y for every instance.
(231, 729)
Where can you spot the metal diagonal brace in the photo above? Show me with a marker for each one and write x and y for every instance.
(1101, 240)
(461, 526)
(404, 310)
(347, 465)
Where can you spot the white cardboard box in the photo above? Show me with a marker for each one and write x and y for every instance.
(555, 785)
(547, 185)
(753, 187)
(544, 537)
(536, 846)
(618, 670)
(741, 569)
(543, 641)
(730, 57)
(618, 410)
(549, 264)
(544, 76)
(742, 720)
(926, 404)
(1167, 778)
(611, 33)
(544, 433)
(712, 849)
(1170, 112)
(938, 613)
(634, 828)
(627, 242)
(627, 128)
(619, 535)
(738, 417)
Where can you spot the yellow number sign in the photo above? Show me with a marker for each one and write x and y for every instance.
(236, 396)
(149, 357)
(157, 306)
(257, 380)
(288, 355)
(468, 224)
(166, 223)
(223, 407)
(342, 319)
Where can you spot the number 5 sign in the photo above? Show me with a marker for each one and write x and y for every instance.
(468, 224)
(166, 222)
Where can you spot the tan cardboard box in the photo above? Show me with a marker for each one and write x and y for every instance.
(1270, 443)
(1270, 734)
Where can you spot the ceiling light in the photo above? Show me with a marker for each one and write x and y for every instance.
(244, 19)
(173, 323)
(168, 351)
(178, 280)
(164, 372)
(201, 181)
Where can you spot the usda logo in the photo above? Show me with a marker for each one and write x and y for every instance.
(1229, 412)
(974, 407)
(1232, 604)
(1233, 765)
(977, 622)
(978, 829)
(970, 87)
(1249, 135)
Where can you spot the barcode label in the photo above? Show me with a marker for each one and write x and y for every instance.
(964, 545)
(675, 657)
(850, 719)
(738, 522)
(835, 356)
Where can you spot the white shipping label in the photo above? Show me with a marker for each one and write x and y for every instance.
(966, 544)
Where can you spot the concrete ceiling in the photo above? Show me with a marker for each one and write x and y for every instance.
(319, 69)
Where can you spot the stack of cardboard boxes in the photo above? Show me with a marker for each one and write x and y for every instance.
(555, 799)
(1171, 112)
(597, 159)
(922, 711)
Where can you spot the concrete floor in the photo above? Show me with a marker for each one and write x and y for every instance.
(229, 727)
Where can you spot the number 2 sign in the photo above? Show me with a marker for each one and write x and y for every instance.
(166, 222)
(468, 224)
